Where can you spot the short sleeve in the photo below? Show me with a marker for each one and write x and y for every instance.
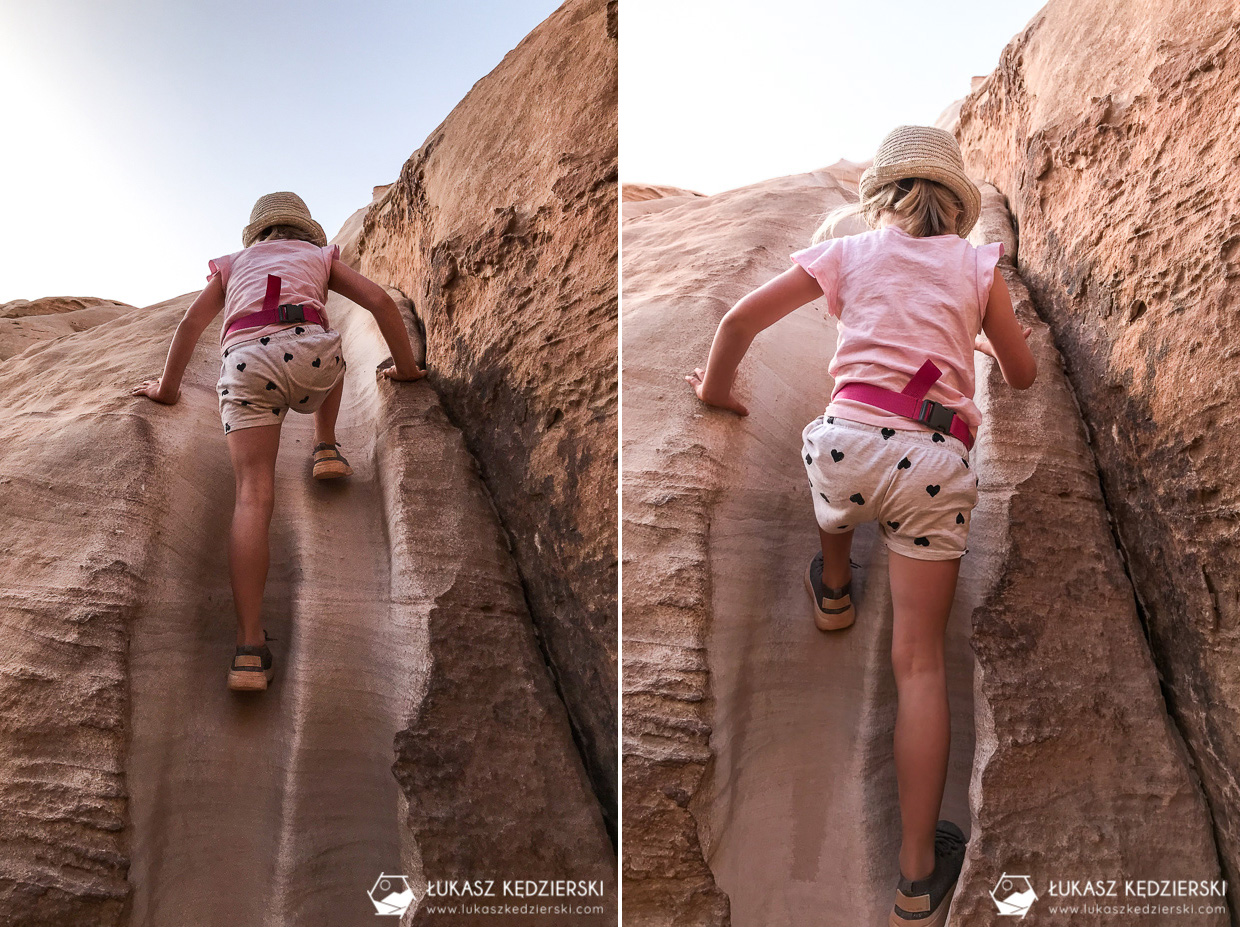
(330, 253)
(987, 257)
(822, 262)
(221, 266)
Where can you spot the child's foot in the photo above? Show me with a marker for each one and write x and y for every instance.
(924, 902)
(329, 463)
(833, 608)
(251, 667)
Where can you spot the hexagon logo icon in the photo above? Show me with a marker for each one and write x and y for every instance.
(391, 895)
(1013, 895)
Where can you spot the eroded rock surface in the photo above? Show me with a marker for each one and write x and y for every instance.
(137, 789)
(759, 786)
(413, 725)
(25, 322)
(502, 229)
(640, 192)
(1111, 127)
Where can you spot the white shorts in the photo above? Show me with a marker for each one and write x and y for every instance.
(293, 368)
(917, 485)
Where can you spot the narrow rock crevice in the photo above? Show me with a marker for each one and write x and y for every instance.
(1064, 685)
(502, 227)
(486, 481)
(1126, 562)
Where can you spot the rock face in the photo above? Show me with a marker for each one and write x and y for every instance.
(502, 230)
(640, 192)
(758, 780)
(413, 725)
(25, 322)
(1111, 128)
(137, 789)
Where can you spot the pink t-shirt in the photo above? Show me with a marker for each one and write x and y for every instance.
(901, 300)
(303, 268)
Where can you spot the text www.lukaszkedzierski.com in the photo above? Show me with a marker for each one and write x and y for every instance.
(513, 909)
(1138, 909)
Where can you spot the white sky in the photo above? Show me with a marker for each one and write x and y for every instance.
(135, 135)
(716, 94)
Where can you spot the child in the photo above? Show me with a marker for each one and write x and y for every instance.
(893, 444)
(279, 353)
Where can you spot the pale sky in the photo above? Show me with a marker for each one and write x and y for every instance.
(135, 135)
(716, 94)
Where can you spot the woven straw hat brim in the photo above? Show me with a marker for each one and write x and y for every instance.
(281, 209)
(923, 151)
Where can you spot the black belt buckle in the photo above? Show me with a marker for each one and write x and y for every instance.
(936, 416)
(291, 312)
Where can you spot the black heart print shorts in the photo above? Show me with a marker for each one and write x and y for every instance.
(918, 485)
(262, 378)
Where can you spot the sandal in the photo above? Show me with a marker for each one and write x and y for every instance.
(833, 608)
(251, 668)
(329, 463)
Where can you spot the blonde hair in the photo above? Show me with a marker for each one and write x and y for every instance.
(287, 232)
(919, 206)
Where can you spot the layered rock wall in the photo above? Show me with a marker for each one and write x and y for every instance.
(757, 770)
(1111, 127)
(414, 724)
(502, 228)
(136, 788)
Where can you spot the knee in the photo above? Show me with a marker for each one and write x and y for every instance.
(912, 659)
(256, 492)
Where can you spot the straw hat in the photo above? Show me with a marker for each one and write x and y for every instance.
(924, 151)
(281, 209)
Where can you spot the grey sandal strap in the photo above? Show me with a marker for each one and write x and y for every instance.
(335, 453)
(829, 593)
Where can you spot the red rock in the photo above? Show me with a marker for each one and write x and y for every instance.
(502, 230)
(758, 780)
(1111, 128)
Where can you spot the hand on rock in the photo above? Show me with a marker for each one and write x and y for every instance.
(391, 372)
(153, 389)
(697, 380)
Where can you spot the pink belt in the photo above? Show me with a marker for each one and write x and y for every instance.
(911, 402)
(271, 313)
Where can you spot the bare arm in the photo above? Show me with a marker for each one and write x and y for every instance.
(756, 311)
(167, 389)
(1005, 340)
(372, 297)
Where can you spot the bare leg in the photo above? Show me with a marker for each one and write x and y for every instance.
(325, 416)
(253, 452)
(921, 597)
(835, 551)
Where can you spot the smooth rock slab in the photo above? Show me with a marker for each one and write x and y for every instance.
(759, 785)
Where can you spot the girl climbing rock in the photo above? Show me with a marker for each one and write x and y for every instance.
(913, 300)
(279, 353)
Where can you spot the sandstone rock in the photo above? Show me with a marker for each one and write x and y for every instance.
(25, 322)
(54, 305)
(995, 224)
(350, 234)
(758, 781)
(502, 230)
(848, 173)
(1110, 126)
(412, 727)
(139, 790)
(949, 119)
(640, 192)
